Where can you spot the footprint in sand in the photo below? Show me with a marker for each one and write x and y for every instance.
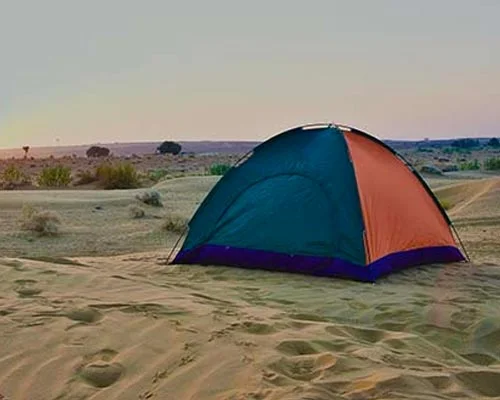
(16, 264)
(303, 368)
(257, 328)
(98, 369)
(86, 314)
(26, 289)
(303, 361)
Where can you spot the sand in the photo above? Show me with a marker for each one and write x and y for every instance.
(77, 325)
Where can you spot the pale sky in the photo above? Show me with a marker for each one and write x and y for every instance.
(122, 70)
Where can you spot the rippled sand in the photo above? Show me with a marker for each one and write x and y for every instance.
(131, 327)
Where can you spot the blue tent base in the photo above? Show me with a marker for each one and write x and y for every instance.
(314, 265)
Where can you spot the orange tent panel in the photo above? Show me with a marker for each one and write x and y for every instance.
(398, 212)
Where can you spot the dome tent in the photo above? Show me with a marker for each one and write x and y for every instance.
(322, 199)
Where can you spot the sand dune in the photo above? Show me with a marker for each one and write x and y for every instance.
(475, 212)
(130, 327)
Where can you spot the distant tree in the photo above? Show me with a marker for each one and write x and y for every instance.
(169, 148)
(26, 150)
(97, 151)
(465, 143)
(494, 142)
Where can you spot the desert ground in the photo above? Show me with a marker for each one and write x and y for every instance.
(96, 312)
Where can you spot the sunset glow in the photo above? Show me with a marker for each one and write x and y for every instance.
(120, 71)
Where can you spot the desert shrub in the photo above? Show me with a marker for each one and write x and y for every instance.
(85, 177)
(425, 150)
(13, 176)
(175, 223)
(151, 198)
(157, 175)
(431, 169)
(117, 176)
(136, 212)
(43, 223)
(57, 176)
(470, 165)
(492, 164)
(169, 148)
(219, 169)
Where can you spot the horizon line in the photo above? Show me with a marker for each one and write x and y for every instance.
(50, 146)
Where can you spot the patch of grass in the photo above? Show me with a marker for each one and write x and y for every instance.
(175, 223)
(43, 223)
(156, 175)
(492, 164)
(58, 176)
(151, 198)
(118, 176)
(136, 212)
(470, 166)
(219, 169)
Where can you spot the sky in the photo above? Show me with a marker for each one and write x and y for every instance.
(81, 72)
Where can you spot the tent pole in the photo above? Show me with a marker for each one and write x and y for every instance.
(185, 230)
(175, 245)
(460, 241)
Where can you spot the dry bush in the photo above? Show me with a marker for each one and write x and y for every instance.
(151, 198)
(44, 223)
(85, 177)
(118, 176)
(175, 223)
(12, 177)
(136, 212)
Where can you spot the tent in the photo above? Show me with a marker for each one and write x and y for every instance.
(327, 200)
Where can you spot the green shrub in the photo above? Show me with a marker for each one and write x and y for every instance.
(43, 223)
(58, 176)
(470, 166)
(117, 176)
(492, 164)
(157, 175)
(219, 169)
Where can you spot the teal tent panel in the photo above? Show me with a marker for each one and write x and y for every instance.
(293, 222)
(296, 194)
